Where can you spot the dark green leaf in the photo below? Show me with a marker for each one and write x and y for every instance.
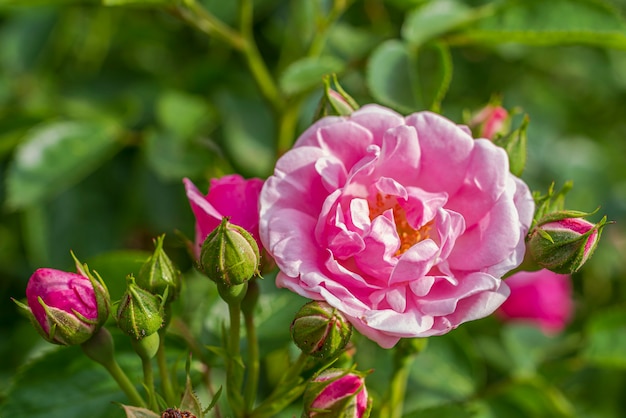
(54, 156)
(64, 383)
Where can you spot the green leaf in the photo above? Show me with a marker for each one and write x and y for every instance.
(435, 18)
(308, 73)
(530, 398)
(55, 155)
(173, 157)
(185, 114)
(64, 383)
(443, 411)
(606, 339)
(554, 22)
(446, 371)
(527, 346)
(409, 79)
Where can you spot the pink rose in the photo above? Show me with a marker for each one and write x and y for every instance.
(232, 196)
(540, 297)
(406, 225)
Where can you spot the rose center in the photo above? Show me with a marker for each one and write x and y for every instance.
(408, 235)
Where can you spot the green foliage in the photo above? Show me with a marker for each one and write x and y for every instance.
(103, 110)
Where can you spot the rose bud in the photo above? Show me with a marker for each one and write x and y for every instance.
(562, 243)
(159, 274)
(230, 256)
(66, 308)
(539, 297)
(336, 102)
(320, 330)
(336, 393)
(490, 121)
(140, 313)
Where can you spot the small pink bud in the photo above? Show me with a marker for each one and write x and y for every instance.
(539, 297)
(66, 308)
(337, 393)
(563, 244)
(489, 121)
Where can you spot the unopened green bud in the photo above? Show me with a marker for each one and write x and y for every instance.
(320, 330)
(562, 242)
(335, 101)
(159, 274)
(140, 313)
(230, 255)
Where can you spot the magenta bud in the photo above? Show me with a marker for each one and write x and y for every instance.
(66, 308)
(563, 244)
(337, 393)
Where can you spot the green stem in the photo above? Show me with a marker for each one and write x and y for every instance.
(255, 61)
(252, 382)
(166, 382)
(394, 403)
(100, 348)
(146, 349)
(202, 19)
(148, 380)
(234, 365)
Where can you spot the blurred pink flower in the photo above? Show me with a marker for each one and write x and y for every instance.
(405, 225)
(231, 196)
(539, 297)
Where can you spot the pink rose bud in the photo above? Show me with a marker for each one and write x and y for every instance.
(335, 101)
(229, 196)
(337, 393)
(539, 297)
(563, 244)
(66, 308)
(490, 121)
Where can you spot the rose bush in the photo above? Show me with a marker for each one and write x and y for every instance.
(231, 196)
(405, 224)
(539, 297)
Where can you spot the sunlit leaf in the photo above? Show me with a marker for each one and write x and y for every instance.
(55, 155)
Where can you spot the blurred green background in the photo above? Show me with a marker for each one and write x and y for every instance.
(105, 108)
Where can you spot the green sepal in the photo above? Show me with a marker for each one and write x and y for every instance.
(103, 299)
(514, 143)
(158, 274)
(66, 328)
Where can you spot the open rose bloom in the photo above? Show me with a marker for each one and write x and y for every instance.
(404, 224)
